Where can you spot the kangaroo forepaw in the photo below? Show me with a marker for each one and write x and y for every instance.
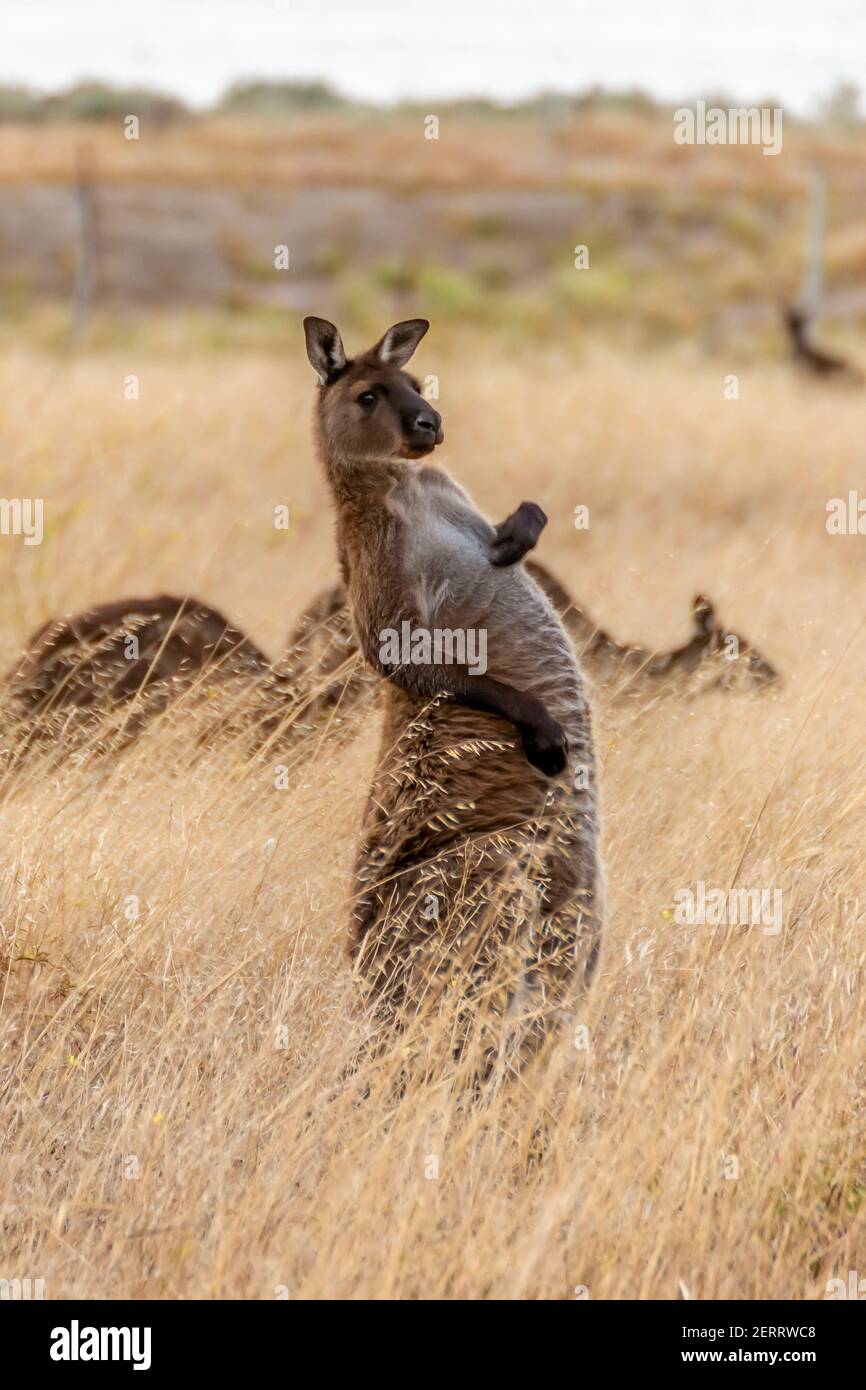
(546, 747)
(517, 534)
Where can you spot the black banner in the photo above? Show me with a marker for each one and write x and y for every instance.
(84, 1339)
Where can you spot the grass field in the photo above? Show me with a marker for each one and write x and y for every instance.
(176, 1010)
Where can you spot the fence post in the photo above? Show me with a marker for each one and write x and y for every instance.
(85, 263)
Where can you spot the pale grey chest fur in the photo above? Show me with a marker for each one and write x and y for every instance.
(444, 544)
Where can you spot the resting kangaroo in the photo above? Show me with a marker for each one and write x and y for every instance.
(77, 673)
(100, 676)
(84, 663)
(824, 364)
(479, 856)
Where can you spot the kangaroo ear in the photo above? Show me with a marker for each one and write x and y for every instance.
(324, 349)
(398, 344)
(705, 615)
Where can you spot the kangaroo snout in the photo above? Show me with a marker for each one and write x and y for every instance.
(426, 430)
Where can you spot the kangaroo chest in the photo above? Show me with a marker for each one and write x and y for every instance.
(443, 541)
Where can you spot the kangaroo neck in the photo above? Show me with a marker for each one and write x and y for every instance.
(356, 483)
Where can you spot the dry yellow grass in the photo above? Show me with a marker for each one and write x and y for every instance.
(176, 1010)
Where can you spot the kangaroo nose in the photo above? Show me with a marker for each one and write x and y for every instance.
(427, 420)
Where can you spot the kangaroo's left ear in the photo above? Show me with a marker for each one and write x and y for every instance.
(398, 344)
(324, 349)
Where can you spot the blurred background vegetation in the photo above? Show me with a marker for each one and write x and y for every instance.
(478, 225)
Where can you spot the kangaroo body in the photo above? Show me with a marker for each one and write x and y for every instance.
(478, 866)
(108, 653)
(473, 863)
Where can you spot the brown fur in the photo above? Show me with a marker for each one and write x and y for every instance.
(87, 660)
(474, 867)
(718, 655)
(100, 676)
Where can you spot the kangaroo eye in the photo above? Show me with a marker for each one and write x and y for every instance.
(367, 400)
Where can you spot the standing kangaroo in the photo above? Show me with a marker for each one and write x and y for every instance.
(478, 865)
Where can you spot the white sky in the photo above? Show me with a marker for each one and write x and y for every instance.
(384, 49)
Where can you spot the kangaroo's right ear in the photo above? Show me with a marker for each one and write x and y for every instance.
(396, 346)
(324, 349)
(704, 614)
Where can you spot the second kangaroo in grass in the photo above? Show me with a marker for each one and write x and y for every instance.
(479, 862)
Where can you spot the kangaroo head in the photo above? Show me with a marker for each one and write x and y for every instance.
(713, 639)
(369, 408)
(797, 323)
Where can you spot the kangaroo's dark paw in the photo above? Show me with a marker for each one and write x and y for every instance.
(517, 534)
(546, 747)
